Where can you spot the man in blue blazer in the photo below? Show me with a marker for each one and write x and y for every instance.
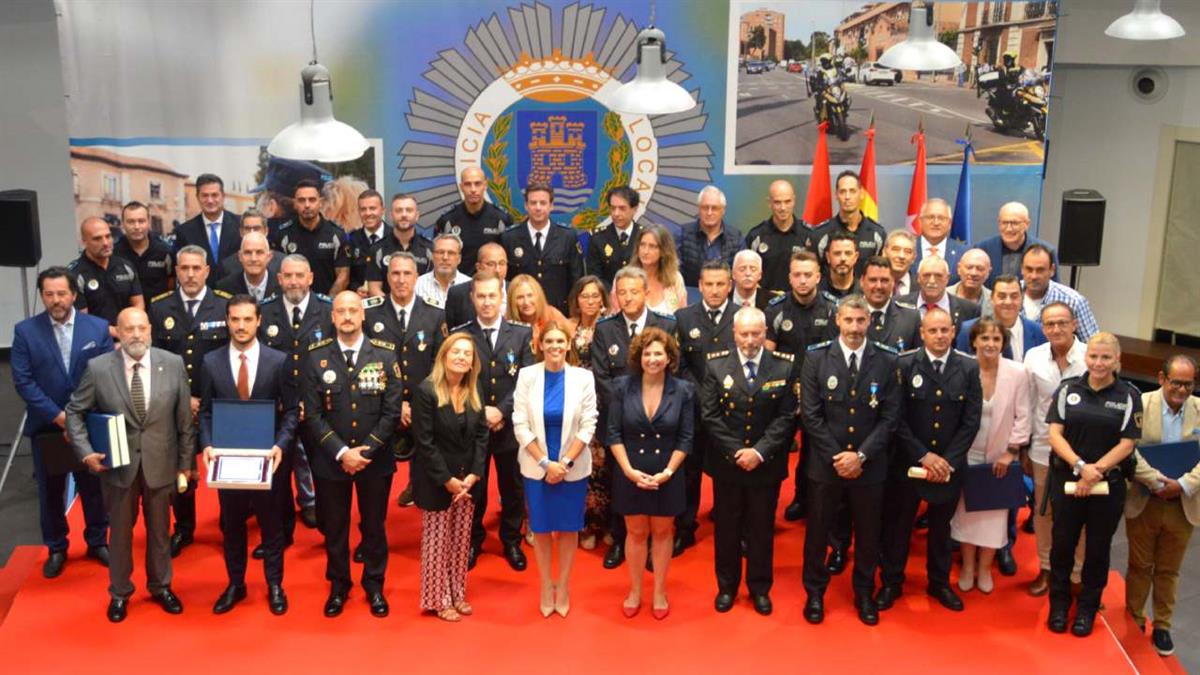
(1024, 334)
(49, 355)
(1007, 249)
(260, 373)
(213, 225)
(935, 237)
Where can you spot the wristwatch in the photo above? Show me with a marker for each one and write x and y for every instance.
(862, 457)
(1077, 469)
(569, 463)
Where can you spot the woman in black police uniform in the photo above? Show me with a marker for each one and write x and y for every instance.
(1094, 421)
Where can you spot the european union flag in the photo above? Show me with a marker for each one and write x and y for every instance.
(960, 228)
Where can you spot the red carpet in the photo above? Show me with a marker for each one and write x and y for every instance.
(59, 625)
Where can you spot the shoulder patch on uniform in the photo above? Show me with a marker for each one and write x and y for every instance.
(222, 294)
(717, 355)
(610, 317)
(565, 227)
(830, 297)
(162, 296)
(383, 344)
(460, 327)
(964, 354)
(323, 298)
(784, 355)
(887, 348)
(373, 301)
(268, 300)
(819, 345)
(284, 226)
(515, 226)
(776, 300)
(601, 228)
(73, 264)
(320, 343)
(905, 305)
(908, 352)
(519, 323)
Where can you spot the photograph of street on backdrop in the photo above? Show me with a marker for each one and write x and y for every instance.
(800, 62)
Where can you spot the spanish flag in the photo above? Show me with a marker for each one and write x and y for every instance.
(818, 203)
(866, 176)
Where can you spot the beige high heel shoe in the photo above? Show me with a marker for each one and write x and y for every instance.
(562, 602)
(547, 603)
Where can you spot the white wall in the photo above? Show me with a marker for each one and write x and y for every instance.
(1103, 137)
(33, 140)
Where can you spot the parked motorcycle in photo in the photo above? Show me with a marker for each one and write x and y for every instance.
(1019, 105)
(831, 103)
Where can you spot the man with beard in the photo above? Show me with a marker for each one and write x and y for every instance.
(893, 323)
(320, 241)
(150, 255)
(933, 274)
(404, 239)
(841, 261)
(867, 235)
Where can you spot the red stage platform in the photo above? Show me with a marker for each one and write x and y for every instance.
(58, 626)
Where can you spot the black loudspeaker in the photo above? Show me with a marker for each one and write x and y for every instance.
(1081, 228)
(19, 226)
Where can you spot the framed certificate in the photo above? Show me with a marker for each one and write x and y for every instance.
(243, 435)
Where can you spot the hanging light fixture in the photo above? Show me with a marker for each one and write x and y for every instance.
(920, 50)
(650, 92)
(1145, 22)
(317, 136)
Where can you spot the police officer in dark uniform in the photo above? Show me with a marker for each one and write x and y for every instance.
(543, 249)
(803, 317)
(363, 241)
(778, 237)
(703, 327)
(850, 409)
(320, 241)
(868, 234)
(610, 359)
(475, 220)
(749, 404)
(403, 238)
(893, 323)
(351, 392)
(839, 276)
(611, 246)
(942, 402)
(504, 347)
(107, 283)
(190, 322)
(1094, 420)
(152, 257)
(290, 322)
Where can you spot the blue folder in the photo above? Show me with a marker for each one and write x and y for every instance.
(1172, 459)
(982, 491)
(243, 425)
(106, 433)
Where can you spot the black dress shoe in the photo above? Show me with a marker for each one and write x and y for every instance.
(117, 608)
(358, 554)
(1057, 623)
(179, 541)
(472, 557)
(335, 604)
(515, 557)
(406, 497)
(1027, 526)
(1082, 626)
(308, 516)
(1163, 644)
(795, 511)
(762, 604)
(379, 605)
(724, 602)
(168, 601)
(948, 598)
(232, 596)
(614, 557)
(814, 610)
(276, 599)
(836, 562)
(99, 554)
(682, 543)
(887, 596)
(259, 552)
(868, 611)
(54, 564)
(922, 522)
(1004, 559)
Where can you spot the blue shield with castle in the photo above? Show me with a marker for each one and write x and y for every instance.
(559, 147)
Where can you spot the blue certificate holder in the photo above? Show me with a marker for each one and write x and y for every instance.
(1172, 460)
(243, 433)
(106, 433)
(982, 491)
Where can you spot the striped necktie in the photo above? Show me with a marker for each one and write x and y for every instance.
(137, 393)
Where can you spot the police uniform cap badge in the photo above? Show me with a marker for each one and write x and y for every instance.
(832, 382)
(169, 322)
(329, 377)
(694, 333)
(272, 330)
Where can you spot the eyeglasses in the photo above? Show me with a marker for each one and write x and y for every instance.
(935, 218)
(1056, 324)
(1012, 224)
(1182, 384)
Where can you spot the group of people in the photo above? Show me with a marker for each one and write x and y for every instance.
(583, 378)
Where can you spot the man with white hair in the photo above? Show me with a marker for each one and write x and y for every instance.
(936, 218)
(434, 285)
(932, 276)
(1006, 249)
(747, 277)
(707, 238)
(253, 276)
(974, 268)
(900, 249)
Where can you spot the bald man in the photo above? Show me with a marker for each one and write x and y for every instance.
(254, 277)
(974, 268)
(107, 283)
(777, 237)
(475, 220)
(1007, 249)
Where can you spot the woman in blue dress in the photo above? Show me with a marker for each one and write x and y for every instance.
(554, 418)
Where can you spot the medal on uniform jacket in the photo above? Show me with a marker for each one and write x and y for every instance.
(372, 378)
(329, 377)
(874, 402)
(421, 341)
(608, 250)
(169, 322)
(317, 335)
(831, 382)
(512, 362)
(694, 333)
(324, 363)
(272, 330)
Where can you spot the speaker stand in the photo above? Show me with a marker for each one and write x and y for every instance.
(1074, 277)
(16, 443)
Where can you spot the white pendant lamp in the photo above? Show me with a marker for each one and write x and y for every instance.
(1145, 22)
(317, 136)
(650, 92)
(920, 50)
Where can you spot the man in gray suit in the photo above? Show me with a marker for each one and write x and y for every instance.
(150, 388)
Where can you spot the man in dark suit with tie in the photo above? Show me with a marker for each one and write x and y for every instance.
(49, 354)
(850, 408)
(214, 229)
(543, 249)
(894, 322)
(748, 403)
(253, 222)
(364, 240)
(459, 307)
(935, 238)
(939, 418)
(246, 369)
(189, 322)
(253, 276)
(351, 391)
(1024, 334)
(611, 246)
(149, 388)
(933, 276)
(610, 358)
(504, 348)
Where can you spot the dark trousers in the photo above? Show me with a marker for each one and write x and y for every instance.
(824, 500)
(333, 509)
(801, 479)
(123, 506)
(512, 500)
(686, 523)
(236, 507)
(744, 512)
(183, 505)
(843, 526)
(281, 491)
(900, 503)
(52, 506)
(1101, 515)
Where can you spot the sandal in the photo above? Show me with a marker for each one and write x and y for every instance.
(449, 614)
(463, 607)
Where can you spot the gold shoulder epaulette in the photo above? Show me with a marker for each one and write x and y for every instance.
(383, 344)
(717, 355)
(320, 343)
(785, 356)
(162, 296)
(222, 294)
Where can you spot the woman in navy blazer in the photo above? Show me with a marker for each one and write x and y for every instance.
(650, 429)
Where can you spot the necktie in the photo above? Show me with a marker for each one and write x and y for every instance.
(191, 307)
(243, 383)
(489, 334)
(214, 239)
(623, 238)
(632, 330)
(877, 318)
(537, 242)
(137, 393)
(64, 345)
(937, 367)
(403, 321)
(853, 366)
(751, 372)
(371, 239)
(930, 305)
(713, 314)
(296, 318)
(349, 353)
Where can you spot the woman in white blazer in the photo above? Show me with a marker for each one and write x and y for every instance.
(554, 418)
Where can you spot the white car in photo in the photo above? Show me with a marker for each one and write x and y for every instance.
(871, 72)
